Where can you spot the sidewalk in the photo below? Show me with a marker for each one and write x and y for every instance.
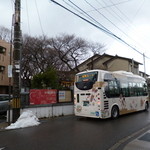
(139, 140)
(142, 142)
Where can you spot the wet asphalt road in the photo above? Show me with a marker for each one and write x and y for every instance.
(74, 133)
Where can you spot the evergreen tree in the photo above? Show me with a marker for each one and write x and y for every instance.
(47, 79)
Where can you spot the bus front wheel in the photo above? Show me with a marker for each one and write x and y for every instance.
(114, 112)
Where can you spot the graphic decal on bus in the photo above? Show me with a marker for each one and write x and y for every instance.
(123, 102)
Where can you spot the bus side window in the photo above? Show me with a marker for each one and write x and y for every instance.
(124, 88)
(145, 91)
(113, 86)
(140, 89)
(112, 89)
(131, 89)
(107, 91)
(94, 79)
(135, 88)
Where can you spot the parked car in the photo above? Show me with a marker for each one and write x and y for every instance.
(4, 102)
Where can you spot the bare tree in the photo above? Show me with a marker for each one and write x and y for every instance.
(69, 49)
(97, 48)
(37, 57)
(63, 53)
(5, 34)
(72, 50)
(33, 55)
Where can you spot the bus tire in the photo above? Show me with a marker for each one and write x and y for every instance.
(146, 106)
(114, 112)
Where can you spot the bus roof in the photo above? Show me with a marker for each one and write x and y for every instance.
(120, 72)
(98, 70)
(128, 74)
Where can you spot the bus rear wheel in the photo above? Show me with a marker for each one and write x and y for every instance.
(114, 112)
(146, 106)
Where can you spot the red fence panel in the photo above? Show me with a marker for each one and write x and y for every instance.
(42, 96)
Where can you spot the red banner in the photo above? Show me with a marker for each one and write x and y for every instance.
(42, 96)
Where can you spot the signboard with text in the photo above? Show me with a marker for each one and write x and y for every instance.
(9, 71)
(61, 95)
(43, 96)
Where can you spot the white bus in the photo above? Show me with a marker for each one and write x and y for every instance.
(104, 94)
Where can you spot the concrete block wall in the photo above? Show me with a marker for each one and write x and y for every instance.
(49, 111)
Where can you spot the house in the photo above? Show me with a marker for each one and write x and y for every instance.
(110, 63)
(143, 74)
(4, 62)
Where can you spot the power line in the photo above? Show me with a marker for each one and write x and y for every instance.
(12, 3)
(80, 16)
(113, 16)
(121, 19)
(120, 11)
(89, 16)
(108, 6)
(109, 11)
(129, 21)
(81, 12)
(139, 9)
(28, 17)
(107, 19)
(105, 31)
(39, 17)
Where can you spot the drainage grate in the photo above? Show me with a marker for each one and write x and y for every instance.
(145, 137)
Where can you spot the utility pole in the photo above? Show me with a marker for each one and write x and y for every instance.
(144, 65)
(132, 68)
(16, 62)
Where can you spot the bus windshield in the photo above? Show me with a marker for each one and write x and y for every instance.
(85, 81)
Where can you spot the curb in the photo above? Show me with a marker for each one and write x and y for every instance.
(123, 142)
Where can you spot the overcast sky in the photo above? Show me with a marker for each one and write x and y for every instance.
(127, 19)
